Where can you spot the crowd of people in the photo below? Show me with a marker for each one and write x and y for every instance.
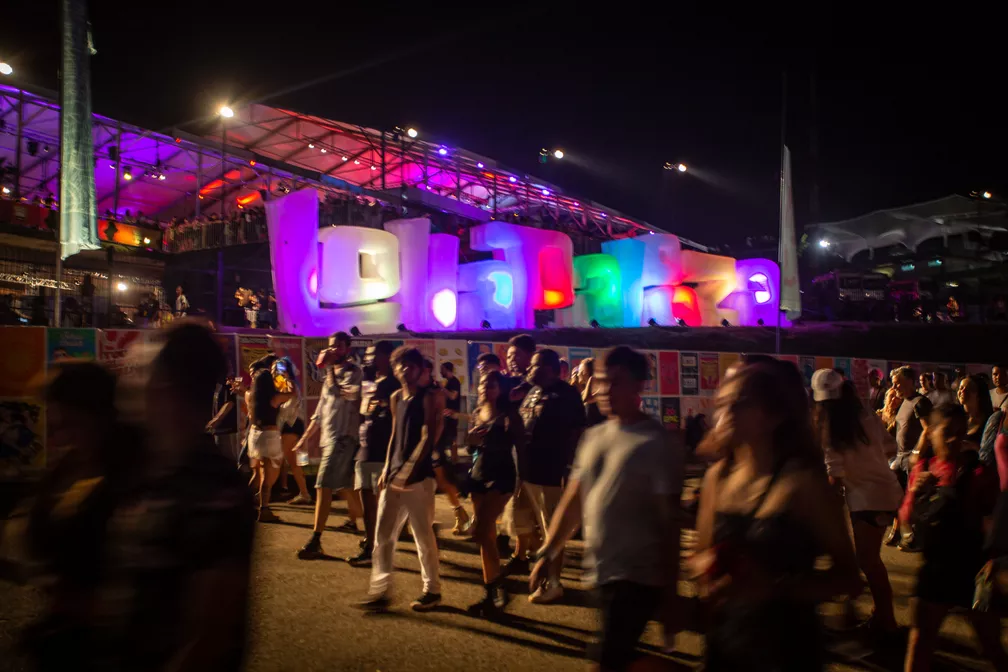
(144, 525)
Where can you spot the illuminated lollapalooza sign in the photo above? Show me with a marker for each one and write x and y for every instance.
(336, 278)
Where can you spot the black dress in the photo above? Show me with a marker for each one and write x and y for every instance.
(493, 466)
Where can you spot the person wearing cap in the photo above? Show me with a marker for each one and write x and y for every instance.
(855, 443)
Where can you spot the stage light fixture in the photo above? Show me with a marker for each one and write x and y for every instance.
(401, 327)
(374, 167)
(356, 162)
(725, 323)
(558, 153)
(987, 194)
(146, 241)
(681, 167)
(681, 322)
(411, 132)
(824, 243)
(479, 164)
(127, 174)
(161, 177)
(442, 151)
(113, 153)
(545, 192)
(760, 322)
(311, 145)
(485, 324)
(5, 190)
(594, 324)
(32, 147)
(512, 179)
(344, 158)
(653, 323)
(121, 286)
(6, 69)
(225, 112)
(355, 332)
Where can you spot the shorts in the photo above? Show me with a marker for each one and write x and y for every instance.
(879, 519)
(265, 445)
(336, 470)
(624, 611)
(544, 500)
(297, 429)
(366, 475)
(519, 516)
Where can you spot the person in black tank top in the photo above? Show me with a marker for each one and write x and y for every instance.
(444, 469)
(407, 485)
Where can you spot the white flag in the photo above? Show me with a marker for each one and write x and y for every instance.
(787, 253)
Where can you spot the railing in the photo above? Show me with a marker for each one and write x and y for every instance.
(214, 234)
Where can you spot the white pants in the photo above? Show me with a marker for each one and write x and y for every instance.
(415, 502)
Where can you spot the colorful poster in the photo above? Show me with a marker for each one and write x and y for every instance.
(116, 346)
(651, 386)
(313, 377)
(455, 352)
(843, 364)
(229, 347)
(727, 360)
(652, 406)
(859, 376)
(22, 440)
(64, 343)
(668, 372)
(807, 366)
(251, 348)
(22, 360)
(689, 373)
(823, 363)
(710, 373)
(475, 349)
(692, 407)
(425, 346)
(670, 412)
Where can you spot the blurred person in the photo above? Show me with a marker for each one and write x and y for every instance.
(889, 410)
(973, 397)
(407, 486)
(375, 432)
(947, 498)
(625, 490)
(91, 466)
(554, 419)
(586, 371)
(445, 480)
(335, 427)
(178, 573)
(941, 394)
(926, 383)
(265, 449)
(452, 389)
(292, 427)
(494, 431)
(855, 444)
(565, 371)
(766, 514)
(910, 421)
(876, 397)
(224, 423)
(487, 362)
(999, 393)
(181, 303)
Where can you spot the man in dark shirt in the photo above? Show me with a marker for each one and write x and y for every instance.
(554, 418)
(224, 424)
(375, 431)
(453, 405)
(519, 511)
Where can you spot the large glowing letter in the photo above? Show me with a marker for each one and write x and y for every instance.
(629, 254)
(442, 282)
(486, 292)
(414, 240)
(540, 262)
(713, 277)
(597, 282)
(309, 269)
(757, 293)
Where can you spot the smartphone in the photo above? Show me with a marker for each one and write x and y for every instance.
(281, 366)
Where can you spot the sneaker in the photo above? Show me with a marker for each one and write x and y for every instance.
(348, 526)
(892, 536)
(499, 596)
(312, 550)
(267, 516)
(549, 592)
(516, 565)
(362, 559)
(908, 545)
(462, 522)
(362, 544)
(301, 500)
(426, 602)
(374, 603)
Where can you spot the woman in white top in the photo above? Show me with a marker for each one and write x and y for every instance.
(855, 444)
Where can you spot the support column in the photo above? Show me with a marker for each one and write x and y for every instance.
(220, 287)
(115, 193)
(17, 147)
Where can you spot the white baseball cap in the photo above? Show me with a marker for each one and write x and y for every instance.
(826, 384)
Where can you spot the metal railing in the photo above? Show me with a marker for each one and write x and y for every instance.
(213, 234)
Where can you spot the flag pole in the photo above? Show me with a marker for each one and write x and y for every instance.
(780, 241)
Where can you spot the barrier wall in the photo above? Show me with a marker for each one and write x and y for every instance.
(682, 383)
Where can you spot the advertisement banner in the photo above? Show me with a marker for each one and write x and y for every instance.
(425, 346)
(689, 372)
(710, 373)
(22, 360)
(807, 366)
(22, 438)
(70, 344)
(456, 352)
(693, 407)
(115, 348)
(652, 406)
(823, 363)
(727, 360)
(251, 348)
(843, 364)
(314, 377)
(651, 385)
(670, 412)
(668, 373)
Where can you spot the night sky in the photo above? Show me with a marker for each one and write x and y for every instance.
(907, 108)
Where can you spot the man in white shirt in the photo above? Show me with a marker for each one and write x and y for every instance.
(1000, 392)
(181, 303)
(941, 394)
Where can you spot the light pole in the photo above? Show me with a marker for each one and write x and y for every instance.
(225, 113)
(680, 167)
(6, 69)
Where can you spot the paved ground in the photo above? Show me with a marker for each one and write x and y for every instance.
(302, 616)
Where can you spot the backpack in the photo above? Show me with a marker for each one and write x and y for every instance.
(938, 517)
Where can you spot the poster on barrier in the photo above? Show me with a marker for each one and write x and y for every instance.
(251, 348)
(710, 373)
(425, 346)
(691, 407)
(668, 373)
(314, 377)
(22, 360)
(115, 348)
(64, 343)
(807, 366)
(843, 364)
(823, 363)
(727, 360)
(22, 438)
(652, 406)
(651, 384)
(474, 350)
(670, 412)
(689, 373)
(456, 352)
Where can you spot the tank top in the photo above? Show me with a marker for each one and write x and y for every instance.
(409, 463)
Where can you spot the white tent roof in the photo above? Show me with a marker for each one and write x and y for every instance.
(913, 224)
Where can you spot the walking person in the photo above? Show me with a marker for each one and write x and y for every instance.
(264, 445)
(855, 444)
(494, 430)
(911, 421)
(224, 424)
(766, 514)
(625, 490)
(554, 419)
(292, 428)
(335, 427)
(375, 432)
(406, 486)
(442, 464)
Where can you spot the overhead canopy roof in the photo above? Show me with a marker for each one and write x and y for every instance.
(274, 149)
(911, 225)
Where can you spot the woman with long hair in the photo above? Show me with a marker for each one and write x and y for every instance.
(492, 478)
(976, 401)
(855, 444)
(292, 426)
(766, 514)
(948, 496)
(265, 448)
